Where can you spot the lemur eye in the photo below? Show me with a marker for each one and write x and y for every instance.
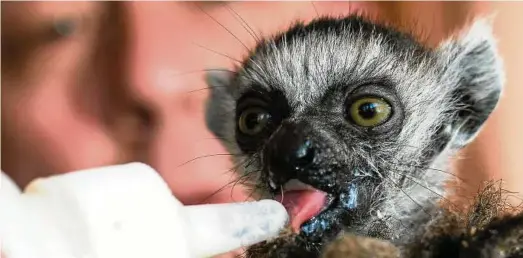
(253, 120)
(370, 111)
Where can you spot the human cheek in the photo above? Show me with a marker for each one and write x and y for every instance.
(43, 122)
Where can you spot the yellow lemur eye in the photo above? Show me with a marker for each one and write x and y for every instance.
(370, 111)
(253, 121)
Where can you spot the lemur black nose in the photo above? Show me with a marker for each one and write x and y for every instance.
(289, 151)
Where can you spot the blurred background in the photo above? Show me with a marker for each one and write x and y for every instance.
(94, 83)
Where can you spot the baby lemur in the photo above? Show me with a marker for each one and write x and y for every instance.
(351, 124)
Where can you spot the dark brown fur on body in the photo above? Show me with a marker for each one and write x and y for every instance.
(486, 229)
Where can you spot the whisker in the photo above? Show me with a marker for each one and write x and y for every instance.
(204, 70)
(408, 196)
(245, 164)
(205, 88)
(351, 8)
(225, 28)
(401, 163)
(221, 189)
(252, 189)
(255, 188)
(315, 10)
(218, 53)
(376, 170)
(246, 176)
(403, 191)
(207, 156)
(242, 181)
(414, 180)
(428, 168)
(244, 24)
(234, 168)
(217, 191)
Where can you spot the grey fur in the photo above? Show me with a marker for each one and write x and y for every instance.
(429, 83)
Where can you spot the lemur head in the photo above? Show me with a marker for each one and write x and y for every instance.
(349, 123)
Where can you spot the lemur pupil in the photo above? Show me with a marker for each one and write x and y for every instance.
(367, 110)
(255, 119)
(251, 121)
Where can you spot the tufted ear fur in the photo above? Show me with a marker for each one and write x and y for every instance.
(475, 69)
(220, 100)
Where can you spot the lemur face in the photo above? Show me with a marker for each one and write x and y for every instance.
(350, 123)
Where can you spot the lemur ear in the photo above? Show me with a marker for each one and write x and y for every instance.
(220, 100)
(476, 71)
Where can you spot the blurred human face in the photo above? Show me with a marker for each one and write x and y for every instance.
(88, 84)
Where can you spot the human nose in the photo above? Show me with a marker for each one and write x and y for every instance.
(159, 56)
(156, 51)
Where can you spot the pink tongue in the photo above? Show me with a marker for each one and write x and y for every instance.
(302, 205)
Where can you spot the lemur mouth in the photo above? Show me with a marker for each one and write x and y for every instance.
(304, 202)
